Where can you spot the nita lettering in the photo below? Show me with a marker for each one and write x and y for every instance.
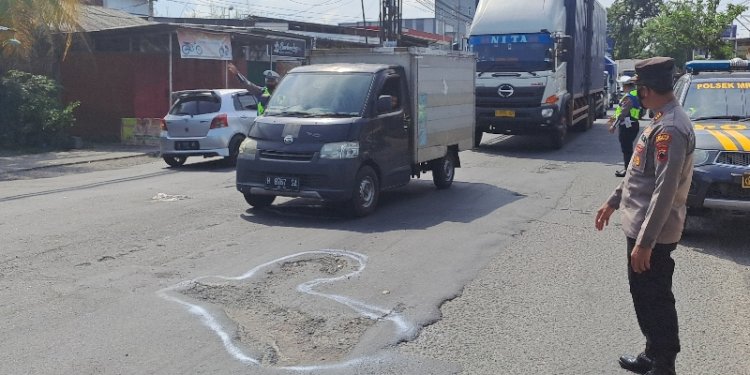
(509, 39)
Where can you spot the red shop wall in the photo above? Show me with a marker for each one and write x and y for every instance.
(112, 86)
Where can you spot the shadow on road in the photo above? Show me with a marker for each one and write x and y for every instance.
(722, 235)
(416, 206)
(579, 146)
(203, 165)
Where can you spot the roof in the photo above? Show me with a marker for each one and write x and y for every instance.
(341, 68)
(95, 18)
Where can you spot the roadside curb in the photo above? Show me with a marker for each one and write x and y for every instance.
(87, 161)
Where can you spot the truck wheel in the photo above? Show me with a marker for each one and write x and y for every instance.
(259, 201)
(478, 133)
(174, 161)
(557, 137)
(365, 194)
(443, 171)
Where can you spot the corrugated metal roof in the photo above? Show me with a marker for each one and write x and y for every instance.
(96, 18)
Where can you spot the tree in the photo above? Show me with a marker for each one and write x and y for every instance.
(688, 25)
(34, 24)
(625, 18)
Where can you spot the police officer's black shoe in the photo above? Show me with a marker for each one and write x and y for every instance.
(639, 364)
(620, 173)
(663, 365)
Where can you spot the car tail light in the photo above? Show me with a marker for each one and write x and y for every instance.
(163, 124)
(220, 121)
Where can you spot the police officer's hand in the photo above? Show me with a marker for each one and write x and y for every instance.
(232, 68)
(602, 216)
(640, 259)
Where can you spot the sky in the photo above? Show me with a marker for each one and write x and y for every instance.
(319, 11)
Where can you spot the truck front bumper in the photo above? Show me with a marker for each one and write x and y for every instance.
(517, 120)
(323, 179)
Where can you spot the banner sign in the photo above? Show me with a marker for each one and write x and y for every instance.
(202, 45)
(288, 48)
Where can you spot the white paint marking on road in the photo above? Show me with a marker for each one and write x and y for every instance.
(405, 329)
(161, 197)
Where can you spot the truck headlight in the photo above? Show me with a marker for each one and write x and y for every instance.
(547, 112)
(249, 147)
(701, 157)
(340, 150)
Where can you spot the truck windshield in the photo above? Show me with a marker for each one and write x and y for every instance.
(718, 99)
(513, 52)
(321, 95)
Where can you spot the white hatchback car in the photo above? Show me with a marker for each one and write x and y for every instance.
(207, 123)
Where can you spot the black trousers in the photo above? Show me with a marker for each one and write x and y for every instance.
(654, 302)
(627, 137)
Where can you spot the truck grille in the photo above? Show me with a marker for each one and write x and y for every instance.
(728, 191)
(741, 159)
(523, 97)
(281, 155)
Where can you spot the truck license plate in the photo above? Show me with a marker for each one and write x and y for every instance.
(746, 180)
(505, 113)
(282, 183)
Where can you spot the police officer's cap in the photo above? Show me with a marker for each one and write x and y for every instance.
(655, 72)
(270, 74)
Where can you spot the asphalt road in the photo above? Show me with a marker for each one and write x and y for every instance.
(144, 269)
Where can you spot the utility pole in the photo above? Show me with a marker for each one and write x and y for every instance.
(151, 9)
(390, 21)
(364, 22)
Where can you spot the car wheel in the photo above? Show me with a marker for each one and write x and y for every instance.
(366, 192)
(443, 171)
(234, 150)
(174, 161)
(259, 201)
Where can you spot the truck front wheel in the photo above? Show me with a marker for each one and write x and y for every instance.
(259, 201)
(366, 192)
(478, 133)
(557, 136)
(443, 171)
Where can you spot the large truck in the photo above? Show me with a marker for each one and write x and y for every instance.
(359, 121)
(540, 66)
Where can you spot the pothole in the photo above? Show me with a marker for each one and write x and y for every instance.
(282, 313)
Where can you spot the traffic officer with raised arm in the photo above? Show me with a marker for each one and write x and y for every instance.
(625, 121)
(652, 201)
(263, 94)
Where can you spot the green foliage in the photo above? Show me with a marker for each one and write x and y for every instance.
(687, 25)
(625, 19)
(31, 114)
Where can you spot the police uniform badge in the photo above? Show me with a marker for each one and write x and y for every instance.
(657, 117)
(637, 160)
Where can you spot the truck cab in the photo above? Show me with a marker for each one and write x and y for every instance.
(539, 66)
(343, 132)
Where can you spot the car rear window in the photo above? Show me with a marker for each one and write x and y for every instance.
(196, 105)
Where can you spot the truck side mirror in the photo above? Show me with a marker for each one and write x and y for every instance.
(385, 104)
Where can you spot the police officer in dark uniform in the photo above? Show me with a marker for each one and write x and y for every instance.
(625, 120)
(263, 94)
(652, 198)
